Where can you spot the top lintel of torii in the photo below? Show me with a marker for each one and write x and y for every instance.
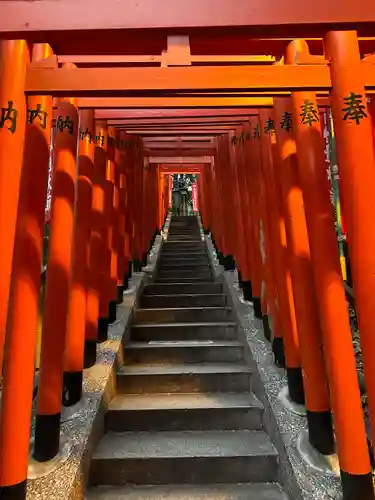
(254, 18)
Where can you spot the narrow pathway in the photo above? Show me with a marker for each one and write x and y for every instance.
(184, 424)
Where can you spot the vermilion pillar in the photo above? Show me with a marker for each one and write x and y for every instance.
(19, 358)
(282, 270)
(256, 190)
(344, 391)
(355, 153)
(77, 312)
(225, 203)
(14, 58)
(47, 430)
(304, 292)
(261, 220)
(100, 261)
(111, 213)
(243, 217)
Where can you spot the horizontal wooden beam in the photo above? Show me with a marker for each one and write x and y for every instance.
(170, 114)
(105, 104)
(213, 130)
(270, 17)
(168, 153)
(184, 141)
(90, 82)
(119, 60)
(170, 122)
(180, 159)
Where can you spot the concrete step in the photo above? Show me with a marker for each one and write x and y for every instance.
(178, 412)
(185, 300)
(174, 279)
(182, 289)
(176, 259)
(193, 457)
(250, 491)
(182, 237)
(183, 252)
(188, 377)
(178, 245)
(219, 330)
(205, 273)
(166, 265)
(186, 314)
(184, 351)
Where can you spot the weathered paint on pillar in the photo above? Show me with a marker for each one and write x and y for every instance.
(282, 270)
(47, 432)
(14, 58)
(77, 312)
(304, 292)
(344, 391)
(355, 154)
(22, 321)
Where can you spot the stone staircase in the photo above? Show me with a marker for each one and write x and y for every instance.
(184, 423)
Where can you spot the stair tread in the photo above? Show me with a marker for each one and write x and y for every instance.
(184, 444)
(246, 491)
(197, 308)
(189, 401)
(185, 323)
(183, 368)
(182, 343)
(176, 295)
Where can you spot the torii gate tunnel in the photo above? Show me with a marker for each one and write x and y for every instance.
(105, 102)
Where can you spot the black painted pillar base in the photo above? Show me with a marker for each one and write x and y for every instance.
(14, 491)
(130, 269)
(357, 486)
(112, 306)
(266, 327)
(120, 292)
(239, 274)
(278, 352)
(295, 385)
(144, 261)
(247, 291)
(47, 437)
(321, 435)
(229, 263)
(257, 307)
(89, 359)
(220, 257)
(72, 392)
(206, 231)
(102, 329)
(137, 266)
(126, 282)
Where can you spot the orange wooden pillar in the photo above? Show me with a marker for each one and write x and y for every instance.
(139, 167)
(100, 261)
(256, 193)
(355, 154)
(14, 58)
(344, 391)
(304, 292)
(123, 261)
(47, 430)
(243, 217)
(129, 212)
(78, 293)
(281, 266)
(224, 193)
(217, 236)
(207, 195)
(19, 355)
(254, 206)
(111, 210)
